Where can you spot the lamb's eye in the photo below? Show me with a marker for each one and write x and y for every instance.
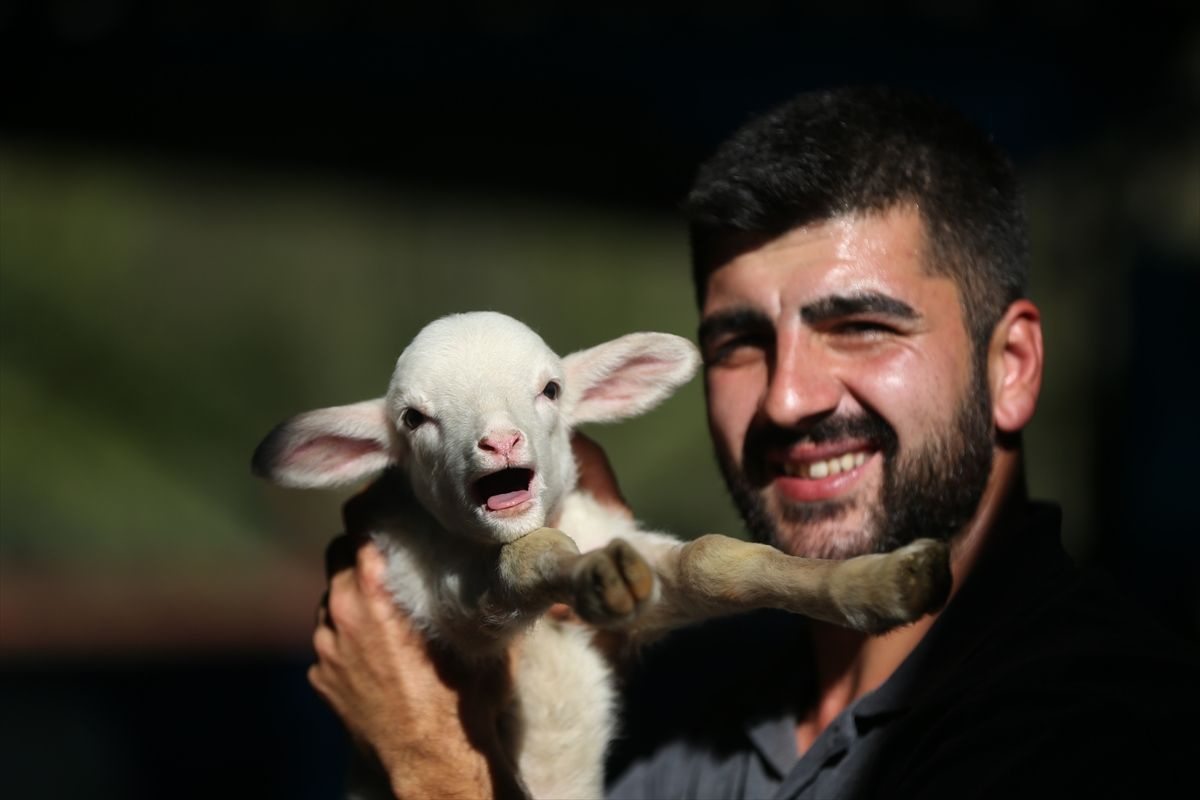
(552, 389)
(412, 418)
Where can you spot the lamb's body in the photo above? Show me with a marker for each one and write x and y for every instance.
(475, 435)
(564, 697)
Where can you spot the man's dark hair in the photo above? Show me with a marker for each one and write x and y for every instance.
(857, 150)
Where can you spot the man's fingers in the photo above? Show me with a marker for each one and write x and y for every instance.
(315, 679)
(355, 569)
(323, 619)
(325, 644)
(344, 599)
(370, 568)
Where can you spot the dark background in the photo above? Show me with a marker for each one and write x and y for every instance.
(136, 662)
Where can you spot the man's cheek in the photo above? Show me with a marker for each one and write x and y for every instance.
(726, 423)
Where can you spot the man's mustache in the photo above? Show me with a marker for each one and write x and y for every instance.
(765, 437)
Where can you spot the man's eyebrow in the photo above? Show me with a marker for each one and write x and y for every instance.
(731, 321)
(847, 305)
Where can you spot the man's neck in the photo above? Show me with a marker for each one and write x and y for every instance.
(850, 664)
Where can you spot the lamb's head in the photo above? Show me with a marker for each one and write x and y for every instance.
(479, 424)
(479, 414)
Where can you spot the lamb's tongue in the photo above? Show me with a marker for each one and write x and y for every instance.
(499, 502)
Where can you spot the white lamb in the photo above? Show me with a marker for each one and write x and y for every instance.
(474, 431)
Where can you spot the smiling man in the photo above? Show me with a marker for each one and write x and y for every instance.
(860, 262)
(823, 345)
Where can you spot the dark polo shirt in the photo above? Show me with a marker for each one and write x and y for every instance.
(1036, 681)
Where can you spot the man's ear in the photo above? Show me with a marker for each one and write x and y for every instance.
(327, 447)
(1015, 366)
(626, 377)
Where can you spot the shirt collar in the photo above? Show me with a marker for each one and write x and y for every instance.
(775, 740)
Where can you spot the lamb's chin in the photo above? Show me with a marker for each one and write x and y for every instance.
(510, 524)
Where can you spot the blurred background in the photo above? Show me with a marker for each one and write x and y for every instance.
(215, 215)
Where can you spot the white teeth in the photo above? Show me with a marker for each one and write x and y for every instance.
(823, 469)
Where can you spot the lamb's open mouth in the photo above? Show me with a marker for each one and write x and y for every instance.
(504, 489)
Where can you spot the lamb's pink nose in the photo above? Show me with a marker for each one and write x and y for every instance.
(500, 443)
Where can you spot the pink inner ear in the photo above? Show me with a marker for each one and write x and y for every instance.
(616, 387)
(327, 453)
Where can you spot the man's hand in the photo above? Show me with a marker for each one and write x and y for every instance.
(431, 725)
(596, 476)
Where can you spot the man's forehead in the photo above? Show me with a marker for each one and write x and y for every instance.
(882, 253)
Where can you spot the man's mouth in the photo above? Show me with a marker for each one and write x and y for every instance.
(813, 473)
(505, 489)
(823, 468)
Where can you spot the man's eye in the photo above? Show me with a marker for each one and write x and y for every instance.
(412, 418)
(861, 327)
(728, 347)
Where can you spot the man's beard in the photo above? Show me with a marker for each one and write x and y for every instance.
(929, 493)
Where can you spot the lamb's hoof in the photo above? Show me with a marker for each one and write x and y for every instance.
(612, 585)
(920, 578)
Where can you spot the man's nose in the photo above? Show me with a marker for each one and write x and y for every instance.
(801, 385)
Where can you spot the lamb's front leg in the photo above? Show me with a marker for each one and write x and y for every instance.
(606, 586)
(716, 575)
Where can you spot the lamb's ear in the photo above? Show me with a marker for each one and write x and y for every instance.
(327, 447)
(627, 376)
